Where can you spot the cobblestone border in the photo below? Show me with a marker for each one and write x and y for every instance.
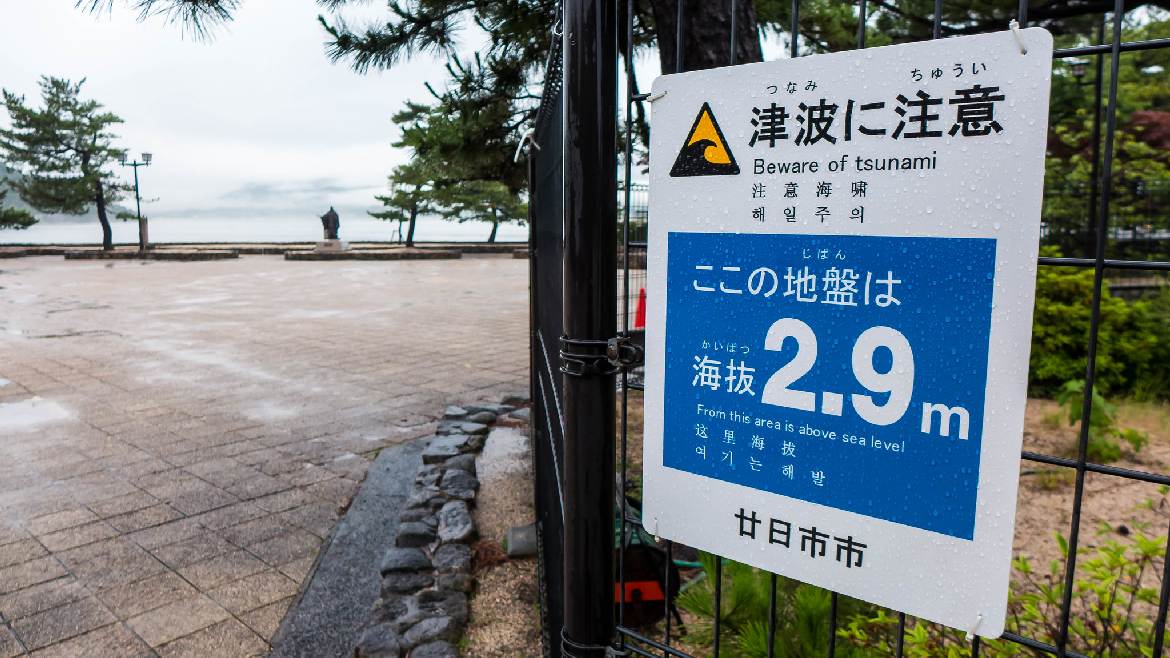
(426, 575)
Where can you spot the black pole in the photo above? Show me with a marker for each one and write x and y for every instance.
(137, 197)
(734, 30)
(590, 319)
(138, 211)
(1095, 173)
(861, 24)
(795, 29)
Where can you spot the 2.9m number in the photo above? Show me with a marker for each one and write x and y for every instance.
(897, 382)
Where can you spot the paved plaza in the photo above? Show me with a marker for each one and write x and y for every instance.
(176, 439)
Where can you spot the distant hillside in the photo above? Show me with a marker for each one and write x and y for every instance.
(13, 199)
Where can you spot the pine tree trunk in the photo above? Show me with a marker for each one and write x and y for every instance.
(107, 233)
(495, 226)
(706, 34)
(410, 230)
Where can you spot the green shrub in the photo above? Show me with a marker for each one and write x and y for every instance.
(1104, 434)
(1115, 597)
(1133, 349)
(802, 614)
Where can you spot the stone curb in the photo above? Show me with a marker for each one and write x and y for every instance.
(426, 576)
(205, 254)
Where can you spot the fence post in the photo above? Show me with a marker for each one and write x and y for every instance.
(590, 318)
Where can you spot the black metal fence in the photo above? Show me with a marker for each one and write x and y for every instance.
(1139, 228)
(546, 234)
(557, 358)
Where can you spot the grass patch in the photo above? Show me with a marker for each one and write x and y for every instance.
(1053, 420)
(1057, 479)
(1153, 418)
(634, 424)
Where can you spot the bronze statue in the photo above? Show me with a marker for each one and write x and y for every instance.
(331, 222)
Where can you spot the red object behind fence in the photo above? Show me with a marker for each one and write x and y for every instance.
(640, 314)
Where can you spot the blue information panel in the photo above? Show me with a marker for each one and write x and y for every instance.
(847, 371)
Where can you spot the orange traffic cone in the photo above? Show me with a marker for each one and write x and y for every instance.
(640, 314)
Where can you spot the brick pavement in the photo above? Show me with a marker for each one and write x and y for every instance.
(176, 439)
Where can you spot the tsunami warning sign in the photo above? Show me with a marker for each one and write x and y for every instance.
(839, 321)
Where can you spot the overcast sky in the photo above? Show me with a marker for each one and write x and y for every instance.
(256, 121)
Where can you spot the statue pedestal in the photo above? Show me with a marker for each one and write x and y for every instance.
(331, 246)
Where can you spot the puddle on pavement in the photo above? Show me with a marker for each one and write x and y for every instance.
(31, 414)
(307, 314)
(204, 357)
(269, 412)
(200, 301)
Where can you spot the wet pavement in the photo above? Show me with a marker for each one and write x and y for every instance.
(176, 439)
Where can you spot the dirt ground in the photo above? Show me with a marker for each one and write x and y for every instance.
(1046, 492)
(505, 609)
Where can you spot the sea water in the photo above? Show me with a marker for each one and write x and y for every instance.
(354, 228)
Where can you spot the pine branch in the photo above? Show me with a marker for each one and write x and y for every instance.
(410, 32)
(199, 17)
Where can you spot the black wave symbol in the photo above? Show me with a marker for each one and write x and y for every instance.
(693, 162)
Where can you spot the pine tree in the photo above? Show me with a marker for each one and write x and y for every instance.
(14, 218)
(63, 150)
(481, 200)
(410, 195)
(462, 144)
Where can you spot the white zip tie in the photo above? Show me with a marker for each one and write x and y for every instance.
(1015, 27)
(653, 97)
(979, 619)
(526, 139)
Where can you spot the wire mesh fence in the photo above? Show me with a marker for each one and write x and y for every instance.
(1111, 222)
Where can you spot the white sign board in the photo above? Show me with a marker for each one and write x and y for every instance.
(842, 264)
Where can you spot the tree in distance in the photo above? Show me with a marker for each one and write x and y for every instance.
(1140, 176)
(63, 150)
(461, 147)
(410, 194)
(14, 218)
(482, 200)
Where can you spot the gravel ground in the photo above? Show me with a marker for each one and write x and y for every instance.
(505, 610)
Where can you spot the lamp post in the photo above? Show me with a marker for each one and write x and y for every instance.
(143, 233)
(1078, 68)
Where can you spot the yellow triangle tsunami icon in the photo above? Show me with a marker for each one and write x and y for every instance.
(705, 151)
